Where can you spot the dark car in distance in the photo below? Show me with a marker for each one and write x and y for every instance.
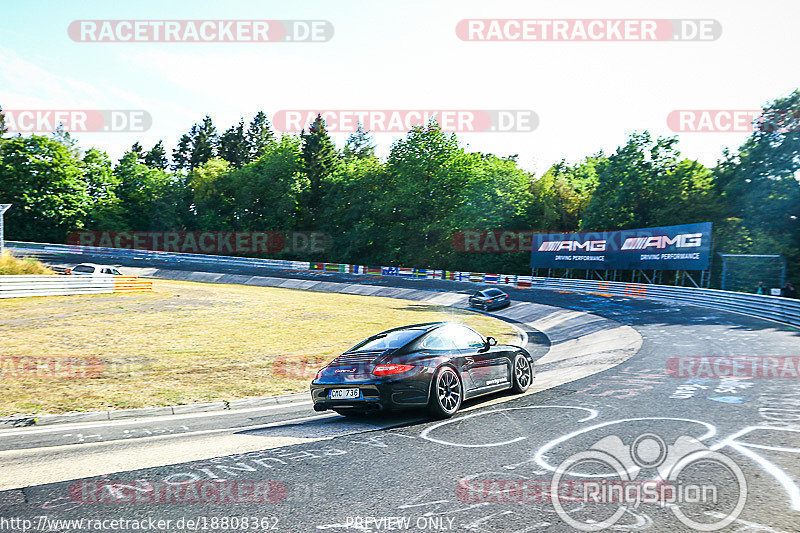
(436, 365)
(488, 299)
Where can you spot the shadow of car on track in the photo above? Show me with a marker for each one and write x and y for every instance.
(329, 424)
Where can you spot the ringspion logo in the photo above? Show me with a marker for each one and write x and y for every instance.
(77, 120)
(588, 30)
(402, 120)
(200, 31)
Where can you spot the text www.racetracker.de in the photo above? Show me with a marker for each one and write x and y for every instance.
(195, 523)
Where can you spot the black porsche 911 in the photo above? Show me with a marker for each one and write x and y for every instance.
(489, 299)
(437, 365)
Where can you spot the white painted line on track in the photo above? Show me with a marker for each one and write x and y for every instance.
(171, 435)
(71, 426)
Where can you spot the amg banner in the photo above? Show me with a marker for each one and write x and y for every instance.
(685, 247)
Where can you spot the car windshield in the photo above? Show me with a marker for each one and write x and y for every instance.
(387, 341)
(493, 292)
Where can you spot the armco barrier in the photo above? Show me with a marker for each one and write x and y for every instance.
(22, 286)
(165, 259)
(771, 307)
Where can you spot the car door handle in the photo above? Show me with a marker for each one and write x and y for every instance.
(469, 361)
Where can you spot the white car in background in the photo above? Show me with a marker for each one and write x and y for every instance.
(91, 269)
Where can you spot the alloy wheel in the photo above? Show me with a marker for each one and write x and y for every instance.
(448, 390)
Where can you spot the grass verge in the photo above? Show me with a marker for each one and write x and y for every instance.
(188, 342)
(13, 266)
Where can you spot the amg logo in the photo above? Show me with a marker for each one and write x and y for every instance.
(687, 240)
(573, 246)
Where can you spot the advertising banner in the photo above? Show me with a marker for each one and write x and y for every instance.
(684, 247)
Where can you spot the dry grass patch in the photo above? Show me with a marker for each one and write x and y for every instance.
(188, 342)
(13, 266)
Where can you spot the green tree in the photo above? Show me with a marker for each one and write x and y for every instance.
(137, 150)
(350, 211)
(259, 136)
(197, 146)
(210, 188)
(63, 137)
(148, 199)
(320, 160)
(3, 129)
(233, 146)
(157, 157)
(562, 194)
(628, 191)
(359, 144)
(205, 143)
(267, 193)
(44, 180)
(101, 184)
(183, 152)
(760, 185)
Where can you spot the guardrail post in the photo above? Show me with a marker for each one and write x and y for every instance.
(3, 209)
(724, 272)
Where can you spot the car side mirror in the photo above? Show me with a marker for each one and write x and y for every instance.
(490, 341)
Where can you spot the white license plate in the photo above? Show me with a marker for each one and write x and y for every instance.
(344, 394)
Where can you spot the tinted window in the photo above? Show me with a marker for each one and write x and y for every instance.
(113, 271)
(478, 294)
(438, 339)
(494, 292)
(83, 268)
(388, 341)
(465, 338)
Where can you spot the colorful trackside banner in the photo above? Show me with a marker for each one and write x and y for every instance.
(685, 247)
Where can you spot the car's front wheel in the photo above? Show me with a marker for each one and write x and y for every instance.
(523, 374)
(446, 393)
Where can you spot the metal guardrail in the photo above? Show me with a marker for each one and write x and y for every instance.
(154, 258)
(771, 307)
(23, 286)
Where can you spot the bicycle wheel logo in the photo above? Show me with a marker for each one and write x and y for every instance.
(686, 476)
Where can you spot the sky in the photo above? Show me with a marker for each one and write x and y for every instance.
(588, 96)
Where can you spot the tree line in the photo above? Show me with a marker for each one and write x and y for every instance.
(405, 208)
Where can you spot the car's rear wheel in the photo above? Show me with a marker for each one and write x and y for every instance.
(446, 393)
(523, 374)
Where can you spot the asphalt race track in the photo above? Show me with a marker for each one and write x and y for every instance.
(486, 470)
